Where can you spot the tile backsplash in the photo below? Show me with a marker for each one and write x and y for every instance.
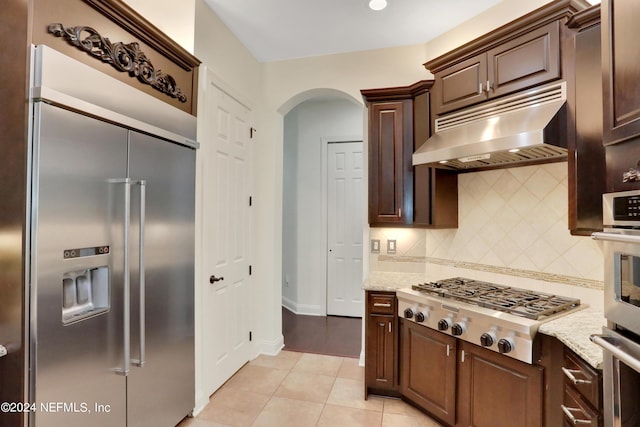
(510, 220)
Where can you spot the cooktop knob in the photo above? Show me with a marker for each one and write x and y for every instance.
(458, 328)
(505, 345)
(487, 339)
(408, 313)
(444, 324)
(419, 317)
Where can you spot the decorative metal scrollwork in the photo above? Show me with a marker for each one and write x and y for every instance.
(124, 57)
(632, 175)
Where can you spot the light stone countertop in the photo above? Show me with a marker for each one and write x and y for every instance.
(573, 330)
(389, 281)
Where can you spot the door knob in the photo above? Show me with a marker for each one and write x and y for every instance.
(214, 279)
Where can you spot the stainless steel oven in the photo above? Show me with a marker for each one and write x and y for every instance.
(620, 340)
(621, 376)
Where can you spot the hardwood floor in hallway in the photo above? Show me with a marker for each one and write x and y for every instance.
(330, 335)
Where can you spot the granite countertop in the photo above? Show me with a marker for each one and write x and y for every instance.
(388, 281)
(574, 330)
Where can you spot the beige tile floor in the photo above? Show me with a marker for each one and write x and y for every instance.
(302, 389)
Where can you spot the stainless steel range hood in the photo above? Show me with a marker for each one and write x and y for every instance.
(526, 127)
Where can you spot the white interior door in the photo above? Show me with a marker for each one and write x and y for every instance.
(226, 190)
(345, 193)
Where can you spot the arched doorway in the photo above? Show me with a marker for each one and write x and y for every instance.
(315, 123)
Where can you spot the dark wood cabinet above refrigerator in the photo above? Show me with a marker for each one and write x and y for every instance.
(401, 195)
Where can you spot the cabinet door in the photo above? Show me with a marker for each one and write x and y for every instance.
(428, 370)
(525, 61)
(621, 79)
(390, 170)
(497, 391)
(460, 85)
(380, 351)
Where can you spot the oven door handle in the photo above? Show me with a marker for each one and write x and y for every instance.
(614, 237)
(614, 346)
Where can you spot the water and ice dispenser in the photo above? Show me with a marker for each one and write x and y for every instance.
(85, 292)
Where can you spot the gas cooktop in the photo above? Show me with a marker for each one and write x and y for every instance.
(520, 302)
(500, 318)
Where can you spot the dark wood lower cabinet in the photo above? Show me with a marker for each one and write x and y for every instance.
(497, 391)
(428, 370)
(465, 385)
(381, 344)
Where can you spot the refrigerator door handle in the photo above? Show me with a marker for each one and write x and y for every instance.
(142, 343)
(126, 282)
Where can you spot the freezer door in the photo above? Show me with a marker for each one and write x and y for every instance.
(161, 392)
(77, 270)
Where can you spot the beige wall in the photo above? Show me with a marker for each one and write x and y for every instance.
(348, 73)
(174, 17)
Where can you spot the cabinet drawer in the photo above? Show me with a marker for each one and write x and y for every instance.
(583, 377)
(379, 303)
(576, 409)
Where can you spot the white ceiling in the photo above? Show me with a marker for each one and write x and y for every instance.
(285, 29)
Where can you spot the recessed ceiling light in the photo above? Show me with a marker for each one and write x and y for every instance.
(378, 4)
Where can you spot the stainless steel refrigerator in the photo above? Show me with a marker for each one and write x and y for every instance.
(112, 264)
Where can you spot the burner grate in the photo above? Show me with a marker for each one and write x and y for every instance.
(545, 307)
(520, 302)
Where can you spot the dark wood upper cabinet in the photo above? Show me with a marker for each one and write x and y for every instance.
(587, 170)
(390, 179)
(400, 194)
(460, 85)
(621, 74)
(526, 61)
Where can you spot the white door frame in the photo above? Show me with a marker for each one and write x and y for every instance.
(205, 79)
(324, 223)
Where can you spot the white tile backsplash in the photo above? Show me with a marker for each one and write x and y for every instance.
(517, 218)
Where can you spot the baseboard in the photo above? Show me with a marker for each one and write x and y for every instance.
(271, 348)
(199, 408)
(302, 309)
(289, 304)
